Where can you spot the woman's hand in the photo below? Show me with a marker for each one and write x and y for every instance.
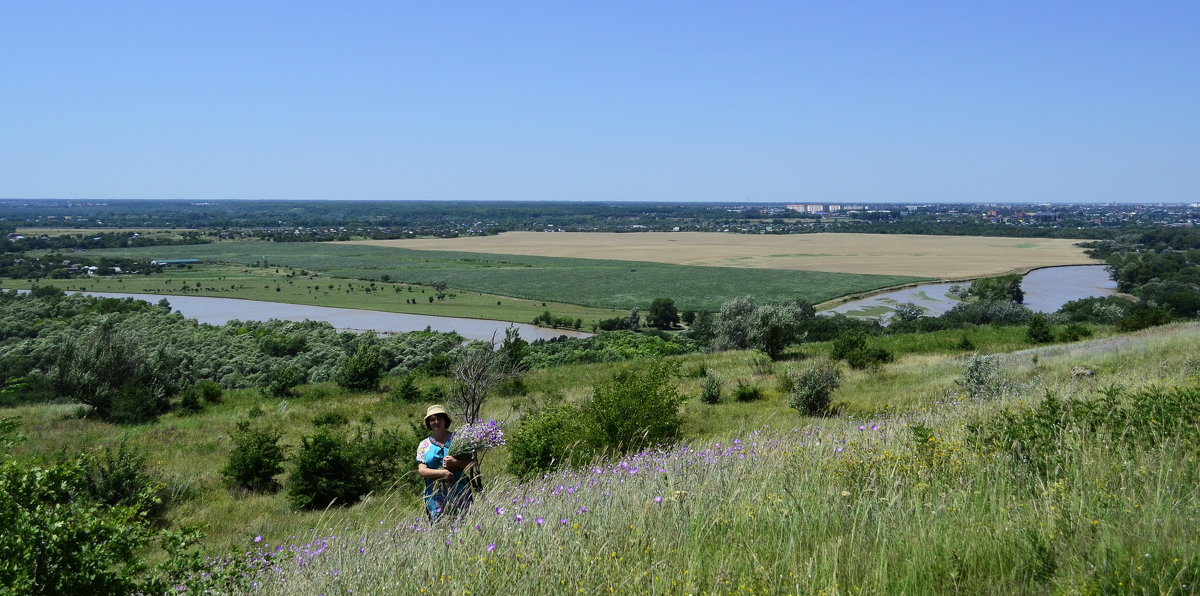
(447, 474)
(451, 462)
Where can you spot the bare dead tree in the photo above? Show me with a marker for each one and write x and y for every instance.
(479, 370)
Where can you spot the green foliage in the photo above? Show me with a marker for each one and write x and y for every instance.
(813, 387)
(846, 343)
(605, 347)
(406, 391)
(1143, 316)
(984, 312)
(333, 468)
(83, 525)
(330, 418)
(662, 314)
(257, 458)
(194, 396)
(547, 439)
(324, 472)
(282, 379)
(1105, 310)
(981, 378)
(121, 477)
(1074, 332)
(1004, 287)
(114, 372)
(1037, 439)
(710, 389)
(852, 347)
(363, 369)
(57, 541)
(744, 325)
(868, 357)
(1038, 330)
(638, 407)
(745, 392)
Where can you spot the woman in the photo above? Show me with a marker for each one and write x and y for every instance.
(447, 488)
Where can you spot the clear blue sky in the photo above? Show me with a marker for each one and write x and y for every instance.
(655, 101)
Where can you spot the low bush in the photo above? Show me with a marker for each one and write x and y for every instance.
(981, 378)
(638, 407)
(813, 387)
(868, 357)
(710, 389)
(544, 440)
(406, 391)
(335, 468)
(746, 392)
(256, 460)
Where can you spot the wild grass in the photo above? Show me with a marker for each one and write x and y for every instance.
(594, 282)
(890, 496)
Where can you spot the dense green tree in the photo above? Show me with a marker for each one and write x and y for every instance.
(662, 314)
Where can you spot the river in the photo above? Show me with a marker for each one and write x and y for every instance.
(1046, 290)
(218, 311)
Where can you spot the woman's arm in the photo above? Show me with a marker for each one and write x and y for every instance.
(432, 474)
(457, 462)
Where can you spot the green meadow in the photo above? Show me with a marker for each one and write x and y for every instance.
(894, 493)
(295, 286)
(597, 283)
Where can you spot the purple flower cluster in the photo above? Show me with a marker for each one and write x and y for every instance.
(477, 436)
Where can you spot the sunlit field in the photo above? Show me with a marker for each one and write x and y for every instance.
(894, 494)
(593, 282)
(942, 257)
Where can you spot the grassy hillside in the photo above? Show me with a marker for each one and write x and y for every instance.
(896, 494)
(590, 282)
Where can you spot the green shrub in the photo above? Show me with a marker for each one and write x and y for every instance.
(1142, 316)
(193, 397)
(363, 369)
(406, 391)
(638, 407)
(121, 477)
(710, 389)
(981, 378)
(282, 379)
(1074, 332)
(846, 343)
(256, 460)
(56, 540)
(324, 472)
(112, 370)
(1038, 330)
(866, 357)
(511, 387)
(333, 468)
(547, 439)
(813, 386)
(746, 392)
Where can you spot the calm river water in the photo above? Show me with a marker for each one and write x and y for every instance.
(1046, 290)
(218, 311)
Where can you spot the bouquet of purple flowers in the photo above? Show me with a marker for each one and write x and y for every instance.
(476, 437)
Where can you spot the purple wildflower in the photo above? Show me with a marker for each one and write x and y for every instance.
(491, 546)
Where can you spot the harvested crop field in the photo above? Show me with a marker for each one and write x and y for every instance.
(942, 257)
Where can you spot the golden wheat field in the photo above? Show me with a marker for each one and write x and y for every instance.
(943, 257)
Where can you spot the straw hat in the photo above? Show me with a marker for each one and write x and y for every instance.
(434, 410)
